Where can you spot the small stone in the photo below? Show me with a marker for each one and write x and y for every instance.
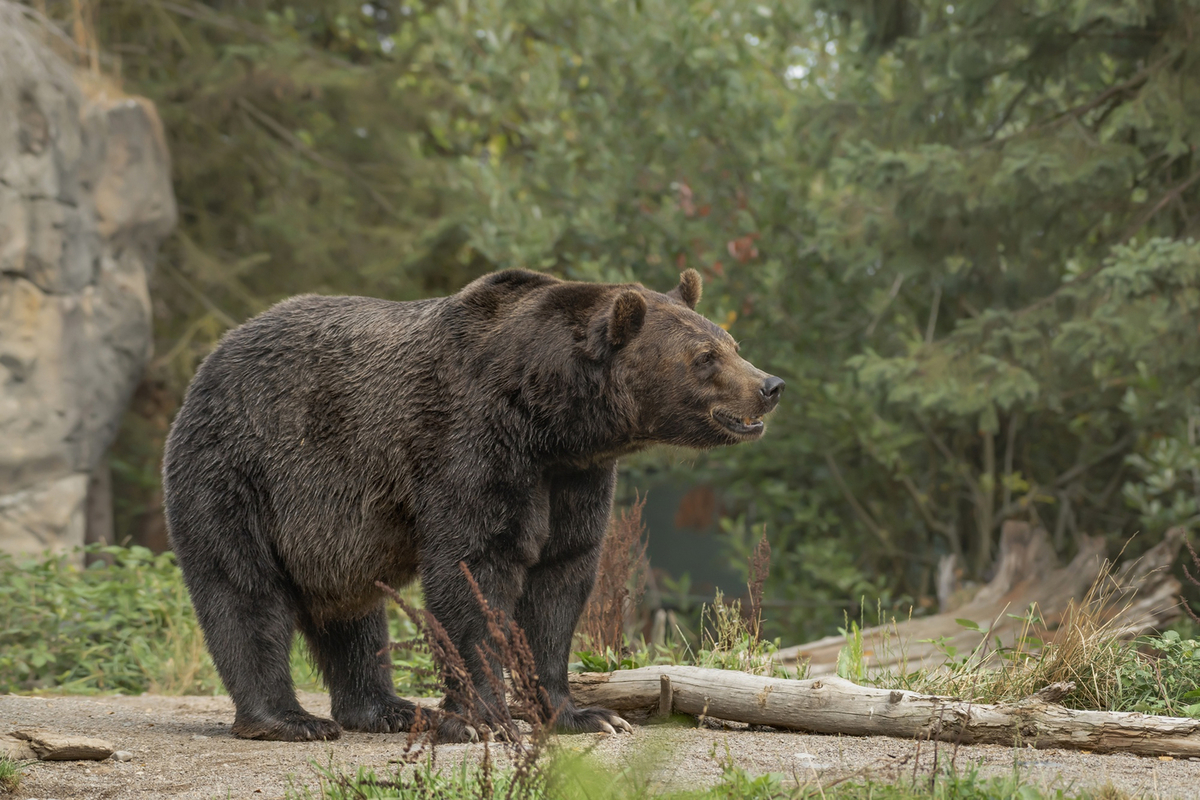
(122, 755)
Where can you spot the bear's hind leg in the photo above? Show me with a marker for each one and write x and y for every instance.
(358, 674)
(249, 635)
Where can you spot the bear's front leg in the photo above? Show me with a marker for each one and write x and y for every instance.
(557, 589)
(450, 598)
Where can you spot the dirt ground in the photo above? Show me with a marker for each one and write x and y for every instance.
(182, 748)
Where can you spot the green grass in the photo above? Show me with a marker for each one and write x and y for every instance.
(580, 778)
(725, 642)
(10, 774)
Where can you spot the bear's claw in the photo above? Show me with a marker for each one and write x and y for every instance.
(450, 729)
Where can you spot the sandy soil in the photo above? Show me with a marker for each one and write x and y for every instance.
(182, 748)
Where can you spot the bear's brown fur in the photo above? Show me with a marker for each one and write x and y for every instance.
(333, 442)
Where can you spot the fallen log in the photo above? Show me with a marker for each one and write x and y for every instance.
(1140, 596)
(831, 705)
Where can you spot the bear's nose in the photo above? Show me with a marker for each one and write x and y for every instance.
(771, 389)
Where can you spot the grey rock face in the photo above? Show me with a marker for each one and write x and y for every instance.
(85, 200)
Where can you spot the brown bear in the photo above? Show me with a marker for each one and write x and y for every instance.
(332, 442)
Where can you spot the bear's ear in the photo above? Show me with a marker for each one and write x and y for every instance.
(688, 290)
(628, 314)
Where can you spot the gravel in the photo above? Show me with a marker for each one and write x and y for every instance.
(180, 747)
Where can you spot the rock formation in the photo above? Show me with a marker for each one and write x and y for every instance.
(85, 200)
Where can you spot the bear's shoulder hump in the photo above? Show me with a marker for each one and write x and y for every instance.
(498, 289)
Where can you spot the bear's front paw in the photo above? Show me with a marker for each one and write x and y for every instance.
(590, 720)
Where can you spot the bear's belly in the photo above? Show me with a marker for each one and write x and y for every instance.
(336, 574)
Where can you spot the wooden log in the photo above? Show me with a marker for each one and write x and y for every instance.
(831, 705)
(1141, 595)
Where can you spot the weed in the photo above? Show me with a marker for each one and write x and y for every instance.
(505, 651)
(760, 570)
(10, 774)
(422, 782)
(642, 655)
(581, 778)
(1162, 676)
(851, 660)
(1192, 579)
(727, 640)
(620, 582)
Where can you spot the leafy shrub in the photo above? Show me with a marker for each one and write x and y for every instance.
(1163, 678)
(125, 624)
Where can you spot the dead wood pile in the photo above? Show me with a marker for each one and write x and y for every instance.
(1138, 596)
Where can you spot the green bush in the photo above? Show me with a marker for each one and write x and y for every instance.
(1164, 678)
(125, 624)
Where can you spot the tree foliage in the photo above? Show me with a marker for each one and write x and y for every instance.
(962, 233)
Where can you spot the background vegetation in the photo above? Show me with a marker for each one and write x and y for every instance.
(961, 232)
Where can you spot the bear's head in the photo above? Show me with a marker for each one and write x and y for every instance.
(689, 385)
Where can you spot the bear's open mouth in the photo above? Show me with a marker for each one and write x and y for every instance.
(742, 426)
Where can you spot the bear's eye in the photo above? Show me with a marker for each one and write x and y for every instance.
(705, 358)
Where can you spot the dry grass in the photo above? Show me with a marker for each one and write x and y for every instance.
(760, 570)
(506, 652)
(1087, 648)
(188, 668)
